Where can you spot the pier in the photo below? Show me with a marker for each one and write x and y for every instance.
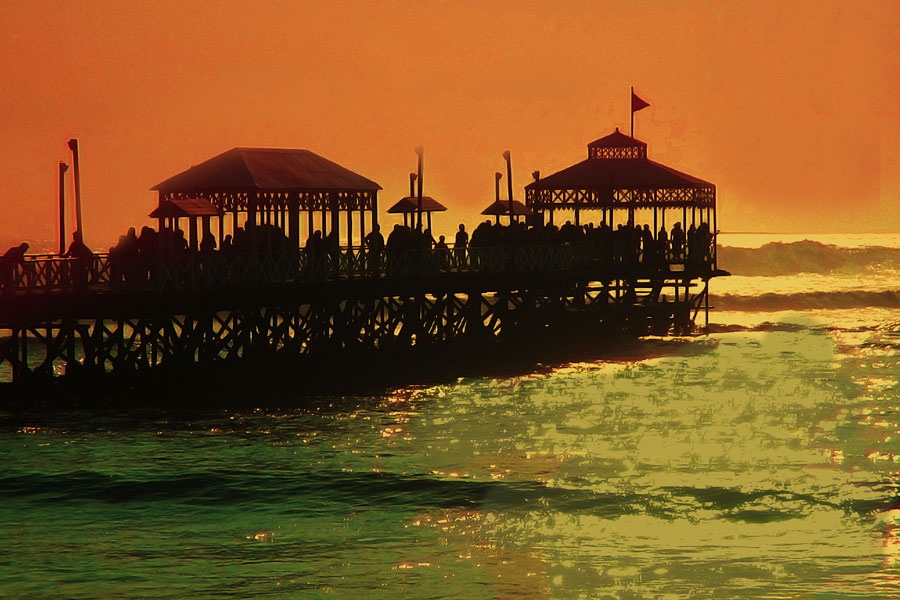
(282, 258)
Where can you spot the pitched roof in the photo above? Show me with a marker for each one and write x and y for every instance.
(501, 207)
(617, 140)
(186, 207)
(621, 173)
(267, 169)
(410, 204)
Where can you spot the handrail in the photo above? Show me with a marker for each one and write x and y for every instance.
(44, 273)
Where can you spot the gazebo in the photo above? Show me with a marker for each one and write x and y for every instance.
(409, 205)
(499, 208)
(618, 177)
(272, 186)
(170, 211)
(512, 208)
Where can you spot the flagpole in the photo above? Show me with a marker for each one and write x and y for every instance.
(631, 104)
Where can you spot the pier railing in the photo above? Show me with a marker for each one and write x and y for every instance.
(41, 273)
(54, 274)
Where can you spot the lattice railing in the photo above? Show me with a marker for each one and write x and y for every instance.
(53, 274)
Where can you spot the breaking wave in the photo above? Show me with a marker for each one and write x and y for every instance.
(807, 300)
(777, 258)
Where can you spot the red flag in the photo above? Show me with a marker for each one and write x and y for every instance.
(636, 103)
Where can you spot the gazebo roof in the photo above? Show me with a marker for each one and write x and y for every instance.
(267, 170)
(410, 204)
(501, 207)
(620, 173)
(186, 207)
(617, 140)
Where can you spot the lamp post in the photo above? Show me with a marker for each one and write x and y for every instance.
(509, 184)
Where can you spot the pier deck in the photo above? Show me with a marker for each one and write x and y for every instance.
(59, 316)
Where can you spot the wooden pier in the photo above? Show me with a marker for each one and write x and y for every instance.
(60, 316)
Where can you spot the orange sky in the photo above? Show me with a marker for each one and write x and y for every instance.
(791, 108)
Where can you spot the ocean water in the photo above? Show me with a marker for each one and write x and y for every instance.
(758, 461)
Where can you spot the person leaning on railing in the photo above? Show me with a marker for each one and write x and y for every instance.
(12, 259)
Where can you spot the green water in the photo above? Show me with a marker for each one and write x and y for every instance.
(755, 463)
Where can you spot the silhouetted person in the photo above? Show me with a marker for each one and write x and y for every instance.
(460, 244)
(692, 250)
(11, 260)
(333, 246)
(662, 242)
(648, 245)
(427, 240)
(208, 243)
(677, 242)
(374, 240)
(83, 258)
(374, 243)
(117, 261)
(704, 242)
(15, 255)
(315, 253)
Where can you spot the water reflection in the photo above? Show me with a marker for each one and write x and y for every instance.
(750, 464)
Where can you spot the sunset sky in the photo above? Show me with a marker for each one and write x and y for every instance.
(791, 108)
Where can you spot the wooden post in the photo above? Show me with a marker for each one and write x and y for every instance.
(420, 151)
(631, 105)
(63, 167)
(252, 200)
(715, 236)
(192, 233)
(409, 220)
(76, 165)
(294, 222)
(349, 228)
(497, 178)
(509, 184)
(374, 210)
(362, 225)
(335, 215)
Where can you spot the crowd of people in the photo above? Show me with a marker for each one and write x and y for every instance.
(627, 243)
(133, 257)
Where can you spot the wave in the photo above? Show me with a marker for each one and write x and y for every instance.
(768, 326)
(777, 258)
(421, 493)
(807, 300)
